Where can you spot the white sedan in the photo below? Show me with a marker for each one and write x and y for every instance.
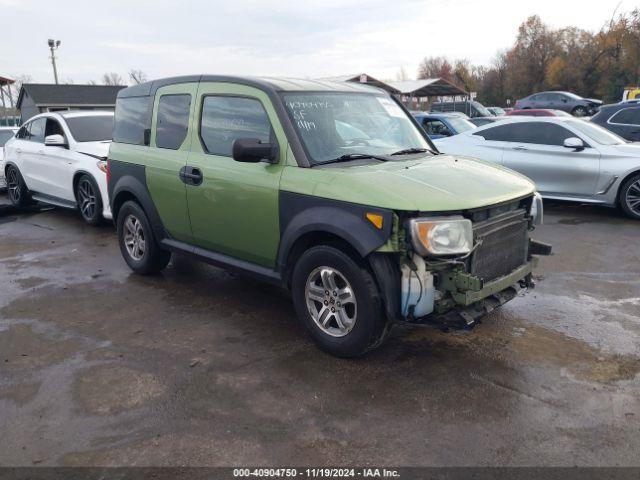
(567, 158)
(61, 159)
(5, 134)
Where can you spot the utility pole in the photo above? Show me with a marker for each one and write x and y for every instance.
(53, 45)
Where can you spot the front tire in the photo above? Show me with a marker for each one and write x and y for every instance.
(137, 243)
(338, 301)
(89, 200)
(579, 111)
(16, 188)
(629, 197)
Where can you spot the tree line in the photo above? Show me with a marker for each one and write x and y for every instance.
(592, 64)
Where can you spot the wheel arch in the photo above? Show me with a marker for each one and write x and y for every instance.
(306, 221)
(9, 163)
(76, 179)
(310, 239)
(626, 178)
(129, 187)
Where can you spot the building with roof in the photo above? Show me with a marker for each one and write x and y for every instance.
(411, 92)
(35, 98)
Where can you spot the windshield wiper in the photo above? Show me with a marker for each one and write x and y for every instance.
(353, 156)
(409, 151)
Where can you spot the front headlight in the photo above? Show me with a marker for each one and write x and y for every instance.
(536, 209)
(441, 235)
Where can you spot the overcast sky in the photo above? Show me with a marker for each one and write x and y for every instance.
(297, 38)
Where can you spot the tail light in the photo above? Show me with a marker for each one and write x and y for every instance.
(108, 170)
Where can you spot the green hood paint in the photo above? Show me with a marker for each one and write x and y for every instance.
(438, 183)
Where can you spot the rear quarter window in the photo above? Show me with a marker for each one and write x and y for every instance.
(132, 118)
(627, 116)
(500, 133)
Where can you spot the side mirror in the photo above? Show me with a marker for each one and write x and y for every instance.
(252, 150)
(575, 143)
(55, 141)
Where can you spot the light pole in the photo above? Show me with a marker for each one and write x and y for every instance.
(53, 45)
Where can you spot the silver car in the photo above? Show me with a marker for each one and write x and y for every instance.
(565, 101)
(568, 158)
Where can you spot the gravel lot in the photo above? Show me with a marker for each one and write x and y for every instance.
(201, 367)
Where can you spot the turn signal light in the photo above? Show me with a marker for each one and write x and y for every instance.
(376, 219)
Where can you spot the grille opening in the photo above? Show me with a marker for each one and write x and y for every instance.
(504, 245)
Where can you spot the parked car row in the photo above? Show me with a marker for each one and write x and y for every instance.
(331, 190)
(567, 158)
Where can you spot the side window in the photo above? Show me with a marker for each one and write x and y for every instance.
(53, 128)
(36, 130)
(628, 116)
(131, 120)
(500, 133)
(172, 121)
(541, 133)
(225, 119)
(435, 127)
(24, 131)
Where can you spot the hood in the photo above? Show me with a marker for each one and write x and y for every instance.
(627, 150)
(438, 183)
(94, 149)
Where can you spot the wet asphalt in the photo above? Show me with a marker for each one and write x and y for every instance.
(197, 366)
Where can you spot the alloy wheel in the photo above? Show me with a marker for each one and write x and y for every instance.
(134, 240)
(86, 199)
(632, 197)
(13, 185)
(579, 112)
(331, 301)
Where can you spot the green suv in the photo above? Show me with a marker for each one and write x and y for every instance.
(331, 190)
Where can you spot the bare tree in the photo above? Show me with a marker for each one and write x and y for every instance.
(402, 76)
(17, 85)
(137, 76)
(112, 78)
(436, 67)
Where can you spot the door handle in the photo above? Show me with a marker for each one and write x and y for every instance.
(40, 152)
(18, 150)
(191, 175)
(520, 148)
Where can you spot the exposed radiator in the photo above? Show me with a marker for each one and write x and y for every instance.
(504, 245)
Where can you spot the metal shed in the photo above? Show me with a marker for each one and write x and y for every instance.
(35, 98)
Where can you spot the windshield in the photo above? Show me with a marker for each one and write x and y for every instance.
(597, 133)
(4, 136)
(482, 110)
(460, 124)
(497, 111)
(333, 124)
(91, 129)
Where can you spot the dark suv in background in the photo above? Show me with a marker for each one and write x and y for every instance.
(566, 101)
(621, 118)
(470, 108)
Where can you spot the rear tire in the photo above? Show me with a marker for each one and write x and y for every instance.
(629, 197)
(16, 188)
(89, 200)
(338, 302)
(137, 243)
